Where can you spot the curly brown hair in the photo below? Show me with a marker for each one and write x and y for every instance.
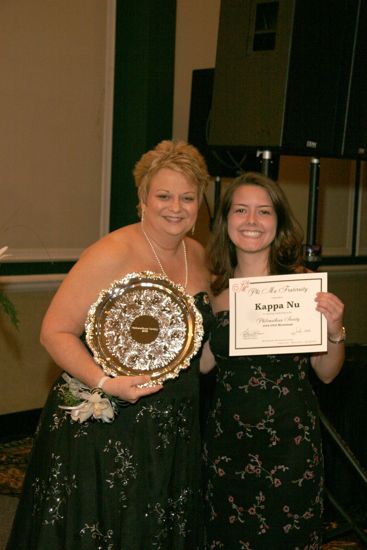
(177, 155)
(286, 249)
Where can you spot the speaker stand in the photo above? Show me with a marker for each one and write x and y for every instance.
(311, 250)
(265, 162)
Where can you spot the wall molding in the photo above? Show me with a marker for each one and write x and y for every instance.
(19, 255)
(344, 268)
(31, 283)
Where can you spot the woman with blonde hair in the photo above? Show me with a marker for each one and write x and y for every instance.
(121, 468)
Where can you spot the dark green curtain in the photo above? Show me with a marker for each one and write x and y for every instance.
(143, 104)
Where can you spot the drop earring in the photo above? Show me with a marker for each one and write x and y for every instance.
(193, 229)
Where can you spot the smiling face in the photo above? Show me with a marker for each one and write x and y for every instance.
(172, 203)
(252, 221)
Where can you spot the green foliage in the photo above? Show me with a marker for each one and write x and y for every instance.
(9, 309)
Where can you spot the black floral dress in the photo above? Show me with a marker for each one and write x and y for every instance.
(133, 484)
(264, 467)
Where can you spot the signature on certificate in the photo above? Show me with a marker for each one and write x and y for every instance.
(247, 334)
(300, 331)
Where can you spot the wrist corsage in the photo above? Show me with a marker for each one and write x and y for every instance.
(82, 402)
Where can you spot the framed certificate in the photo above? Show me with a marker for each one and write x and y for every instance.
(276, 314)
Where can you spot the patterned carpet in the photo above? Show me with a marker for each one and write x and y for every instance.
(343, 542)
(14, 456)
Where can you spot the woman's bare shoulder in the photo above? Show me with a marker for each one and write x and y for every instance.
(109, 258)
(112, 247)
(196, 249)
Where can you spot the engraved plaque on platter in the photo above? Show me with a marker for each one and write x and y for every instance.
(144, 324)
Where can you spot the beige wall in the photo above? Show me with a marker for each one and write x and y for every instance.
(56, 91)
(26, 369)
(56, 117)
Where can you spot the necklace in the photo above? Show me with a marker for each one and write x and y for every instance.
(160, 263)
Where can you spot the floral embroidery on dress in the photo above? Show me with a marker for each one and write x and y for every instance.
(303, 429)
(294, 520)
(53, 491)
(216, 544)
(312, 464)
(125, 471)
(218, 465)
(255, 510)
(222, 320)
(255, 467)
(225, 380)
(170, 518)
(265, 424)
(260, 381)
(215, 414)
(97, 535)
(169, 420)
(59, 418)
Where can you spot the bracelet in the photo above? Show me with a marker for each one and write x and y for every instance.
(341, 339)
(102, 381)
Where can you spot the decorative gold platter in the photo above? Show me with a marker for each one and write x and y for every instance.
(144, 324)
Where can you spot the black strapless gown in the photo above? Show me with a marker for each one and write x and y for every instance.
(134, 484)
(264, 465)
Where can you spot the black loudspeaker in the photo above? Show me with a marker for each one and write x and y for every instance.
(222, 163)
(290, 76)
(355, 137)
(200, 109)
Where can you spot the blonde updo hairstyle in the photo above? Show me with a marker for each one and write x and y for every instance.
(175, 155)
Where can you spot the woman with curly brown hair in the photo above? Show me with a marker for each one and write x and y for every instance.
(262, 447)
